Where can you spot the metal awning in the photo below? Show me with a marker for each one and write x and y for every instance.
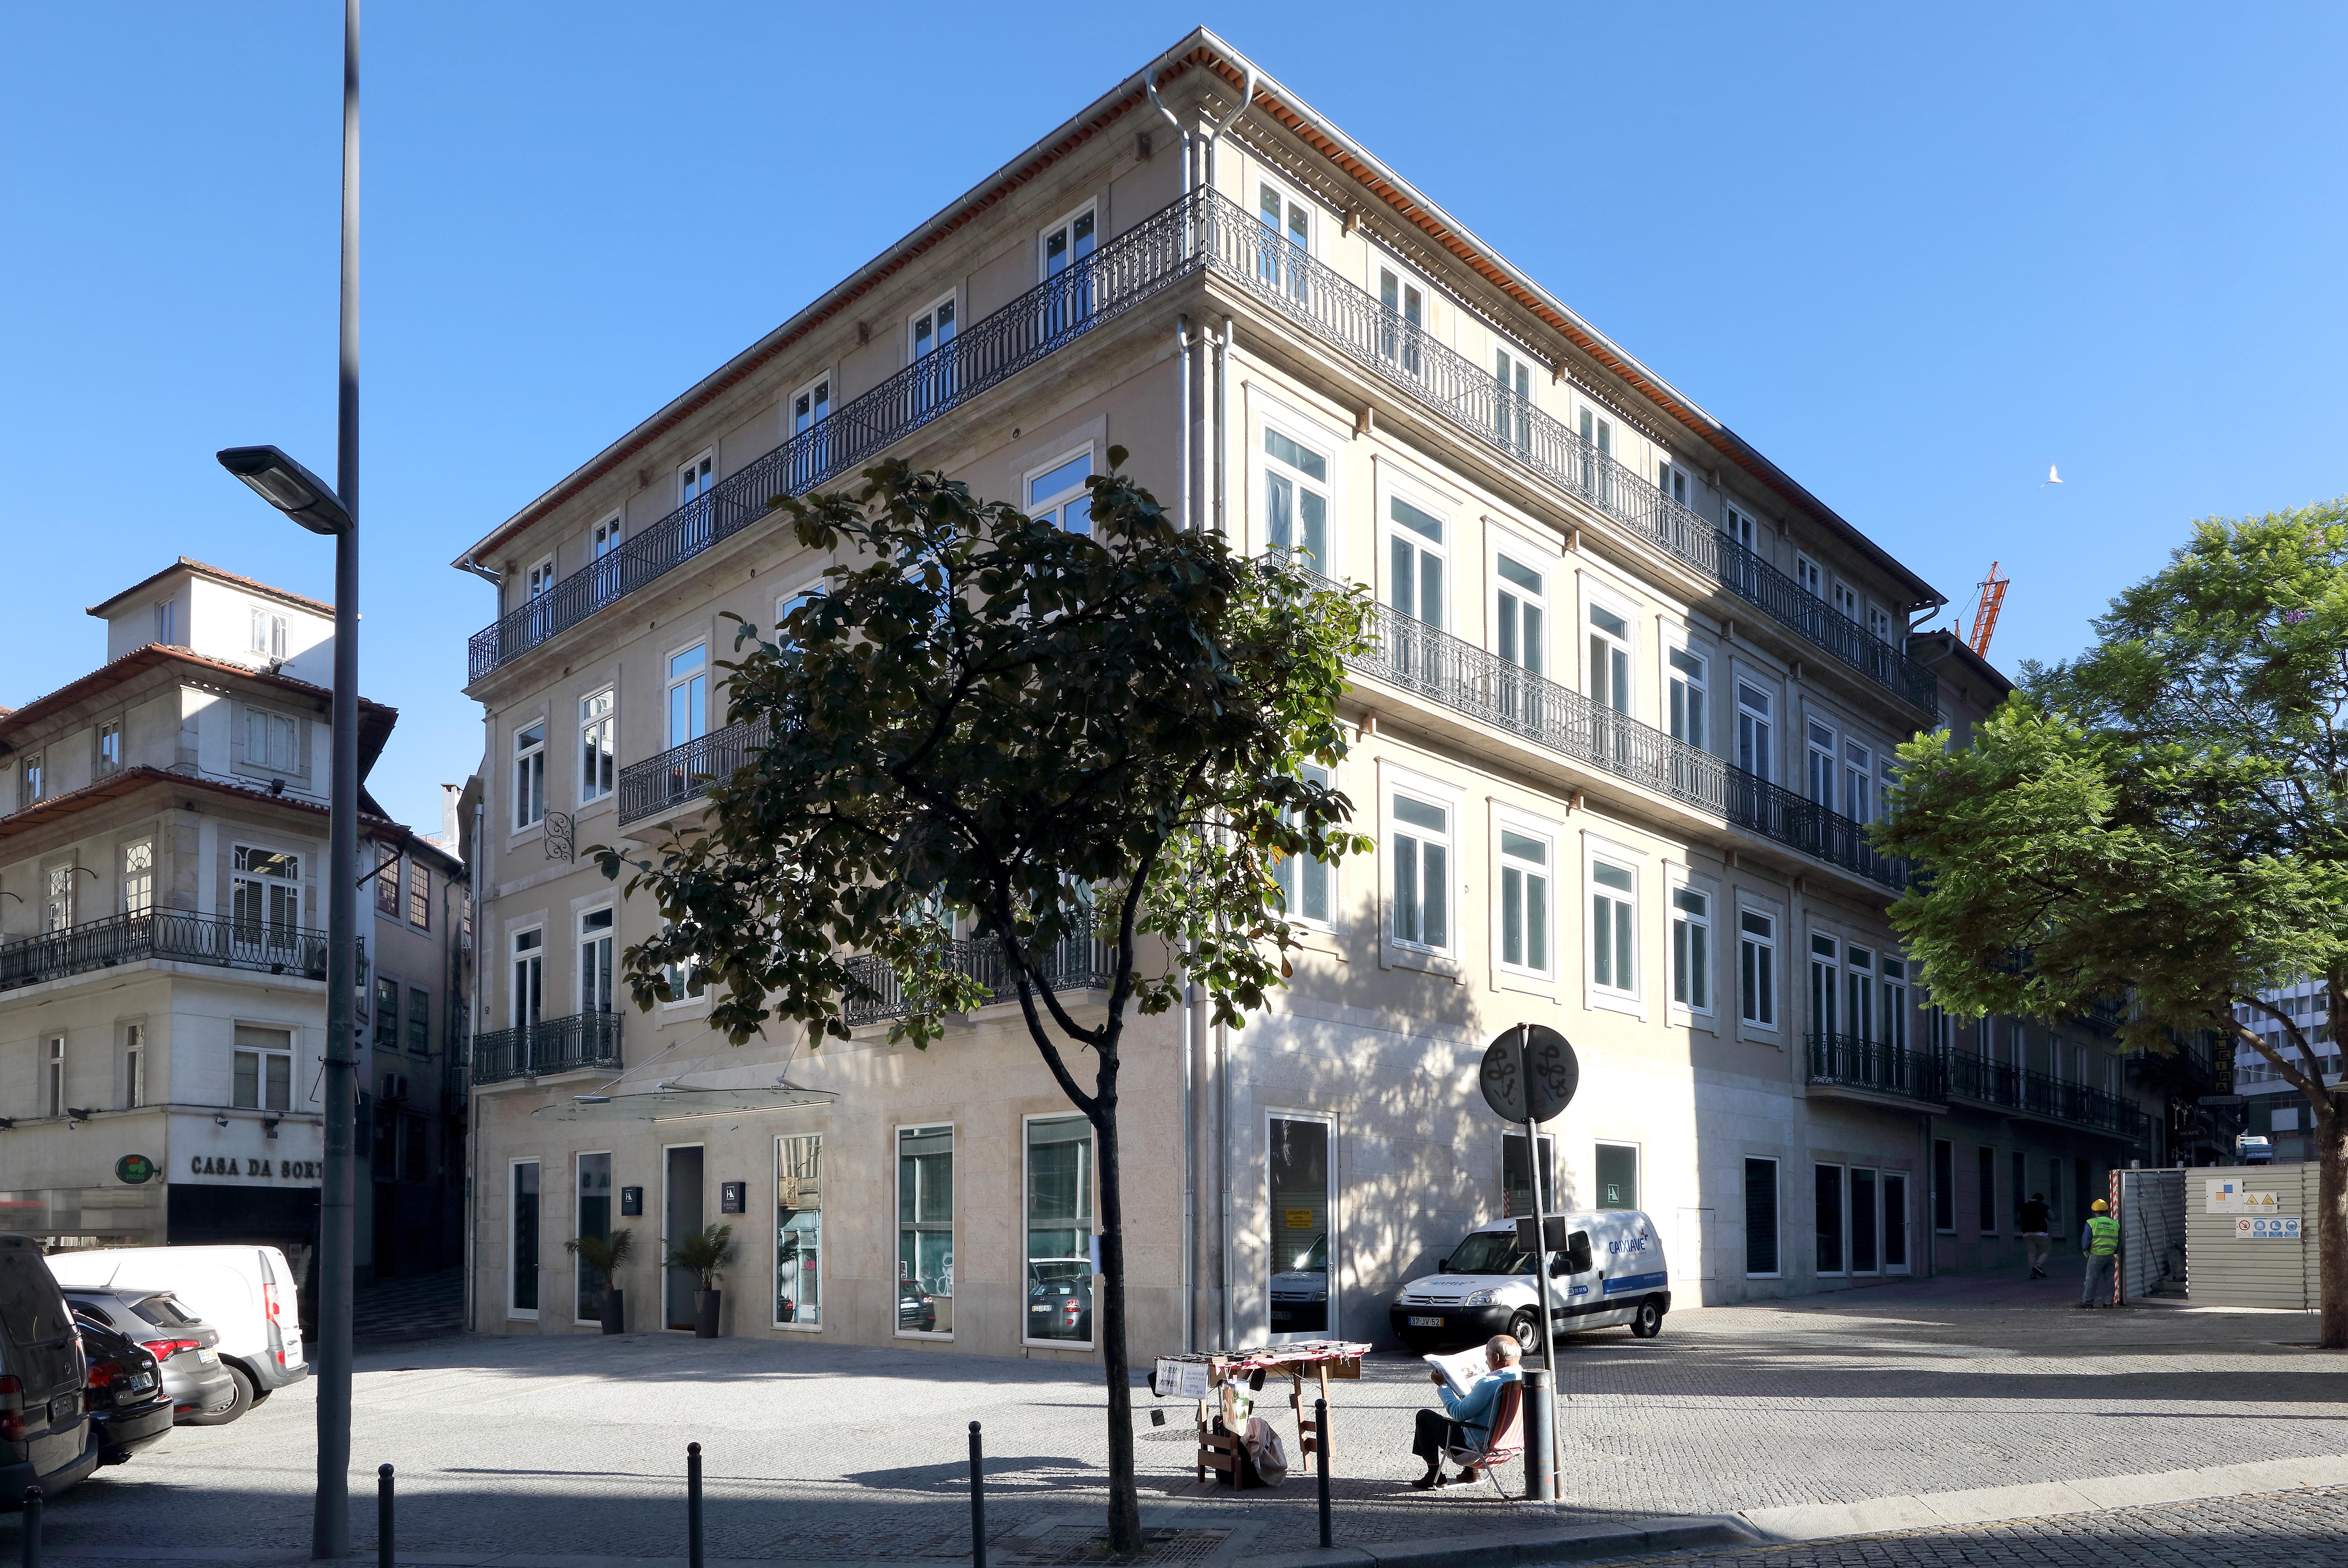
(676, 1104)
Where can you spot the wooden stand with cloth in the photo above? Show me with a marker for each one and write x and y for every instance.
(1325, 1358)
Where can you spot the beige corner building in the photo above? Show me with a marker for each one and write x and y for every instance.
(1634, 699)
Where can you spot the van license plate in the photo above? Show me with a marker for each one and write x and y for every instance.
(64, 1407)
(1424, 1322)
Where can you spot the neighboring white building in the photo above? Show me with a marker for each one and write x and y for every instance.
(2274, 1108)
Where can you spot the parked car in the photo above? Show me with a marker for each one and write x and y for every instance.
(1060, 1299)
(185, 1347)
(1300, 1293)
(43, 1431)
(916, 1309)
(1610, 1273)
(129, 1409)
(243, 1291)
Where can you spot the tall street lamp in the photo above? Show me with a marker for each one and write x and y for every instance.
(300, 495)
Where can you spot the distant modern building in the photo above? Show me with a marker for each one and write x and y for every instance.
(162, 950)
(2272, 1107)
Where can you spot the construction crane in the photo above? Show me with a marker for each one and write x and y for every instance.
(1992, 600)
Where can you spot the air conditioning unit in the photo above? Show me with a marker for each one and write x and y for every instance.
(395, 1086)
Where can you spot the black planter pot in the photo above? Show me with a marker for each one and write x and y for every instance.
(614, 1314)
(704, 1314)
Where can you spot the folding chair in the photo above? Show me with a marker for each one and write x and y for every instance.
(1506, 1442)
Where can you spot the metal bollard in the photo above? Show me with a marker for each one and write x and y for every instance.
(977, 1501)
(1541, 1454)
(32, 1536)
(382, 1533)
(1321, 1432)
(693, 1504)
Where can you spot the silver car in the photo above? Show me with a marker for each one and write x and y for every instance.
(183, 1345)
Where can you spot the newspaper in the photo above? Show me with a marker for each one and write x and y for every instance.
(1460, 1372)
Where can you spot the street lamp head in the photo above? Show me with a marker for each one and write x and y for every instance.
(289, 487)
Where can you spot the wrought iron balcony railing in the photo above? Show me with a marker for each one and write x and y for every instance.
(1080, 963)
(549, 1046)
(1847, 1061)
(163, 934)
(2035, 1094)
(1204, 232)
(684, 773)
(1466, 679)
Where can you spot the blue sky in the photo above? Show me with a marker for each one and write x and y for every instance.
(1915, 254)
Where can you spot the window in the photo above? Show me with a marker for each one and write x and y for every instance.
(1414, 549)
(1689, 688)
(605, 538)
(541, 577)
(386, 881)
(1864, 1223)
(925, 1241)
(1296, 500)
(695, 479)
(522, 1259)
(595, 935)
(1284, 218)
(686, 982)
(419, 895)
(52, 1076)
(530, 776)
(594, 1198)
(268, 635)
(1064, 246)
(688, 695)
(528, 971)
(1805, 576)
(927, 335)
(1692, 949)
(1846, 602)
(1421, 843)
(810, 406)
(271, 739)
(1895, 1003)
(1402, 322)
(265, 893)
(36, 779)
(1760, 1218)
(1618, 1175)
(1753, 730)
(1609, 659)
(109, 746)
(1057, 495)
(263, 1076)
(419, 1021)
(1517, 1176)
(1613, 924)
(1858, 781)
(598, 758)
(1879, 623)
(138, 878)
(1059, 1230)
(1820, 778)
(1944, 1187)
(798, 1232)
(1829, 1180)
(387, 1011)
(1756, 968)
(1859, 991)
(1895, 1223)
(1512, 409)
(57, 899)
(1985, 1198)
(167, 622)
(1297, 1202)
(1524, 902)
(1672, 481)
(1517, 625)
(1740, 528)
(1826, 1011)
(1304, 880)
(134, 1067)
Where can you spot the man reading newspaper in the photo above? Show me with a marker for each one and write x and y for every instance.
(1469, 1402)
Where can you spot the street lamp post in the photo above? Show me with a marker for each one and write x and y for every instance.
(294, 491)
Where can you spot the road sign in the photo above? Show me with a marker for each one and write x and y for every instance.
(1555, 1074)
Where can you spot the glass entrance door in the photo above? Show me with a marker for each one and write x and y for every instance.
(1301, 1204)
(680, 1217)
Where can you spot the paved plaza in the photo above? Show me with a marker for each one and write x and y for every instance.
(1810, 1419)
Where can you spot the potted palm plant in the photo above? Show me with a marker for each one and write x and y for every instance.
(606, 1254)
(705, 1252)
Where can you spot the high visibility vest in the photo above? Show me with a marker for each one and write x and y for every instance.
(2102, 1236)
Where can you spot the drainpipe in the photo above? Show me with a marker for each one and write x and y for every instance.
(472, 1128)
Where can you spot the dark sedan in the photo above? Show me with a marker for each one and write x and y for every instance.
(129, 1409)
(1060, 1299)
(917, 1310)
(202, 1393)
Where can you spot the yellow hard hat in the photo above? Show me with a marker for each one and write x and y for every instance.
(2099, 1206)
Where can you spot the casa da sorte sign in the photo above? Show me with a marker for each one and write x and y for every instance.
(255, 1169)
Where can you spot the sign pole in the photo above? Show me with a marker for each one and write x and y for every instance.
(1540, 1243)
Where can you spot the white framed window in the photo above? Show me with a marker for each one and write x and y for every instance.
(522, 1239)
(265, 891)
(1306, 893)
(261, 1073)
(1287, 222)
(1757, 969)
(786, 603)
(595, 944)
(1518, 614)
(109, 746)
(1417, 559)
(598, 758)
(167, 622)
(1844, 598)
(1865, 1220)
(1059, 1208)
(1879, 623)
(1820, 758)
(272, 739)
(1056, 492)
(1858, 787)
(1672, 480)
(1859, 991)
(695, 479)
(1826, 1192)
(1597, 432)
(798, 1231)
(530, 775)
(688, 694)
(925, 1230)
(1761, 1257)
(268, 637)
(138, 877)
(1066, 243)
(1825, 1003)
(931, 328)
(591, 1194)
(1512, 409)
(1692, 949)
(1895, 1003)
(1887, 780)
(1295, 499)
(53, 1074)
(1524, 887)
(1613, 927)
(811, 405)
(1691, 696)
(687, 982)
(1610, 659)
(528, 976)
(605, 537)
(1419, 846)
(134, 1065)
(541, 578)
(1807, 578)
(34, 785)
(1753, 743)
(58, 898)
(1742, 531)
(1404, 319)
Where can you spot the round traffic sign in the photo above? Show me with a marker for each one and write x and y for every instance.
(134, 1169)
(1549, 1068)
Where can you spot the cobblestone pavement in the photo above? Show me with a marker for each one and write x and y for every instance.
(2288, 1530)
(575, 1445)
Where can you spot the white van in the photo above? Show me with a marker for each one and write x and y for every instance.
(1610, 1273)
(247, 1293)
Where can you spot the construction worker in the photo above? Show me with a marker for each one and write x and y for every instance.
(2100, 1242)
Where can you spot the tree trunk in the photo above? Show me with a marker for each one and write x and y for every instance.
(2331, 1225)
(1124, 1500)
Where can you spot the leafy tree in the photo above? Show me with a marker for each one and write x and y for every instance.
(2163, 820)
(1066, 741)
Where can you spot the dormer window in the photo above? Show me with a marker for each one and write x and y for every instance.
(167, 622)
(35, 778)
(268, 635)
(109, 746)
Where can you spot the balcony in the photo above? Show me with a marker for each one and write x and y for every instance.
(1202, 233)
(581, 1041)
(1870, 1069)
(2041, 1097)
(1081, 962)
(684, 773)
(1460, 676)
(163, 934)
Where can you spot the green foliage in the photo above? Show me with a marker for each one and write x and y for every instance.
(606, 1254)
(705, 1252)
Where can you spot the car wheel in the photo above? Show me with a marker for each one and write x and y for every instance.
(1649, 1320)
(1525, 1329)
(239, 1401)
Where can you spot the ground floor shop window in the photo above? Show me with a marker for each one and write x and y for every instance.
(1517, 1175)
(1829, 1219)
(1060, 1229)
(1761, 1219)
(595, 1222)
(1944, 1187)
(798, 1231)
(1895, 1223)
(1865, 1222)
(521, 1298)
(1300, 1210)
(925, 1239)
(1618, 1176)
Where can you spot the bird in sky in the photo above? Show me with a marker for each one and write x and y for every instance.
(2052, 478)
